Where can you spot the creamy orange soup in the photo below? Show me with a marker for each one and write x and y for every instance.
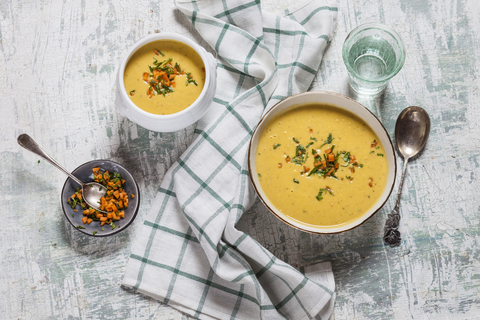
(321, 165)
(164, 77)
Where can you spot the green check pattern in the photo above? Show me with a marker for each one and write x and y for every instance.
(189, 254)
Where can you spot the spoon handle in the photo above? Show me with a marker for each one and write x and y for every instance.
(391, 234)
(400, 186)
(28, 143)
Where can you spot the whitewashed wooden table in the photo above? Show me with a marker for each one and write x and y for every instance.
(58, 61)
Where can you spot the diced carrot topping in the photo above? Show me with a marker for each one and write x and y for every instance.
(116, 197)
(374, 144)
(327, 151)
(279, 165)
(306, 169)
(287, 159)
(331, 157)
(145, 76)
(311, 131)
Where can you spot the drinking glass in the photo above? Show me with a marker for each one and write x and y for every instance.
(373, 53)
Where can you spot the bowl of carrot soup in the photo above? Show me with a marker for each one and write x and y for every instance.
(321, 162)
(166, 82)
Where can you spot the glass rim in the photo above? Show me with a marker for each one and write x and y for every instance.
(382, 27)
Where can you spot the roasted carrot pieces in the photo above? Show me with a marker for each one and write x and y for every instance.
(114, 202)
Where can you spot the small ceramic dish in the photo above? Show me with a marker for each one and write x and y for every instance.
(341, 102)
(84, 173)
(175, 121)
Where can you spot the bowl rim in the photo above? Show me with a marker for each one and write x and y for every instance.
(97, 235)
(155, 37)
(322, 230)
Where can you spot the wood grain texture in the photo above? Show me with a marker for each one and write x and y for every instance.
(58, 62)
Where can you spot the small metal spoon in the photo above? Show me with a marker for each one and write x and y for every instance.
(91, 192)
(411, 134)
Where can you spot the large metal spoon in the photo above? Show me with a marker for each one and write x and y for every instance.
(91, 192)
(411, 134)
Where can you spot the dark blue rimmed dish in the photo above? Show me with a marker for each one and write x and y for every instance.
(84, 173)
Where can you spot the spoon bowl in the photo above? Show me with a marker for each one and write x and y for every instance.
(411, 133)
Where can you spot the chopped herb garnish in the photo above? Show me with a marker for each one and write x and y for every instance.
(94, 232)
(329, 140)
(296, 181)
(259, 175)
(132, 93)
(190, 79)
(301, 155)
(38, 161)
(314, 139)
(296, 141)
(319, 195)
(276, 146)
(80, 227)
(380, 154)
(158, 52)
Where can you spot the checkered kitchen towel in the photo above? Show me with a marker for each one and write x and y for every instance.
(189, 254)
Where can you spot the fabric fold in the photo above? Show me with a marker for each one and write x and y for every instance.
(189, 254)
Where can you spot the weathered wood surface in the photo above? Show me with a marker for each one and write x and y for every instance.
(58, 61)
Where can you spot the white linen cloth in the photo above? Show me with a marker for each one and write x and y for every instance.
(189, 254)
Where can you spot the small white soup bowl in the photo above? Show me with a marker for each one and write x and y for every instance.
(181, 119)
(341, 102)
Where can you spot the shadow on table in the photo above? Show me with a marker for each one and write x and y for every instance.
(374, 103)
(94, 247)
(301, 249)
